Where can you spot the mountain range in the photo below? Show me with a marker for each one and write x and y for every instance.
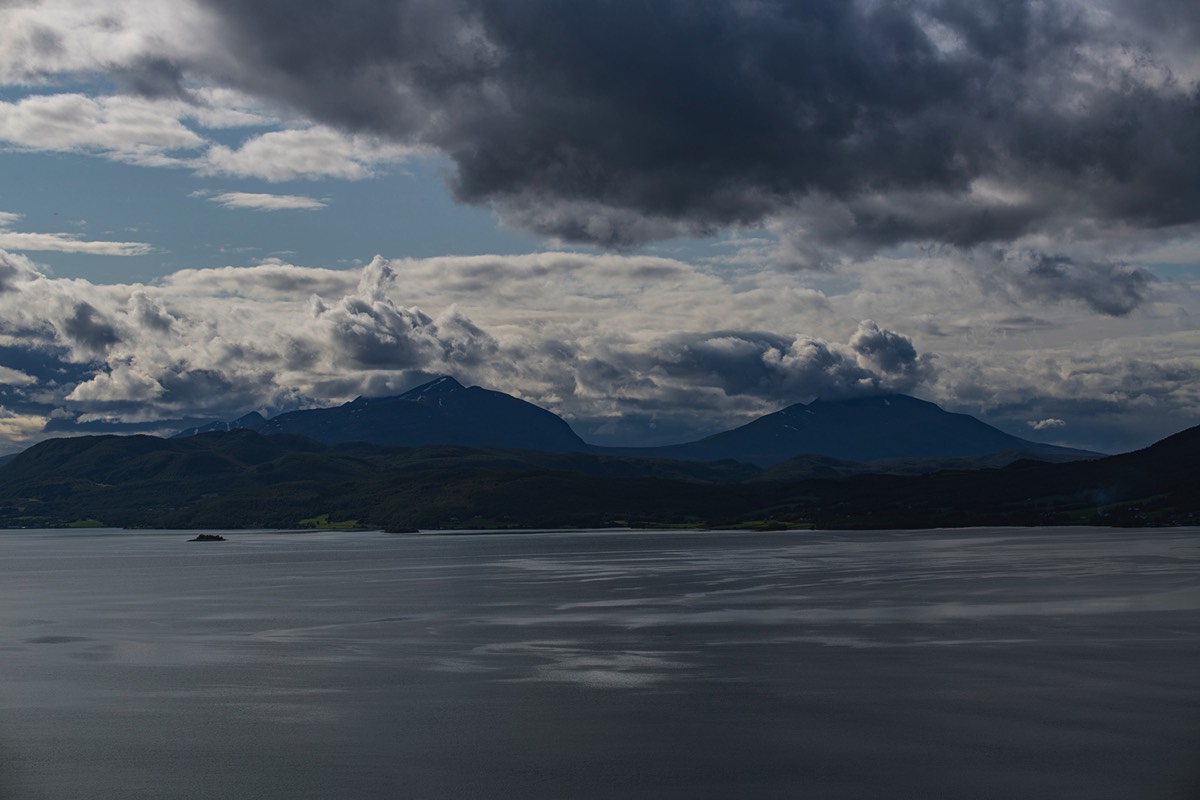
(243, 479)
(444, 412)
(447, 456)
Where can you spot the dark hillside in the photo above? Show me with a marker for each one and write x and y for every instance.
(244, 479)
(867, 429)
(442, 412)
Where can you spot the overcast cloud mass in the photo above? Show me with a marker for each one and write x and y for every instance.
(737, 205)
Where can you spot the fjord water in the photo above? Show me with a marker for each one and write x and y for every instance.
(986, 663)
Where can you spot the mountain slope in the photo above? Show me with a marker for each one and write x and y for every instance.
(860, 429)
(1153, 486)
(441, 412)
(806, 467)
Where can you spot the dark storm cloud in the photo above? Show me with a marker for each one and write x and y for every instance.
(463, 343)
(152, 77)
(89, 329)
(729, 360)
(1106, 287)
(192, 389)
(378, 335)
(360, 63)
(779, 369)
(862, 123)
(886, 350)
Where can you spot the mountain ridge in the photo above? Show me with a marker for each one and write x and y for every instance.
(243, 479)
(440, 412)
(861, 430)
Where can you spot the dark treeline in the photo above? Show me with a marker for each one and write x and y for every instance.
(241, 479)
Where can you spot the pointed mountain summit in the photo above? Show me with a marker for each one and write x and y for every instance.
(441, 412)
(859, 429)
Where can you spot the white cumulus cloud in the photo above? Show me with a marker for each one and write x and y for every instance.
(268, 202)
(70, 243)
(314, 152)
(126, 128)
(60, 242)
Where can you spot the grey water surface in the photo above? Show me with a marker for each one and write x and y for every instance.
(984, 663)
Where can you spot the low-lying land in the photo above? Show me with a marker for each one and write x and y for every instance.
(241, 479)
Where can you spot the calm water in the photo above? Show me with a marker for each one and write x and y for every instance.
(944, 664)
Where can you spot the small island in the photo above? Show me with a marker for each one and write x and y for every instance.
(208, 537)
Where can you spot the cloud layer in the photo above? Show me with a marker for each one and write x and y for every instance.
(629, 348)
(847, 126)
(219, 342)
(855, 122)
(993, 205)
(63, 242)
(260, 201)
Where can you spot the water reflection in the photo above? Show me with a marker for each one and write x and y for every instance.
(986, 663)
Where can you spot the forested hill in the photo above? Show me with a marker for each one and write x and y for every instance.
(241, 479)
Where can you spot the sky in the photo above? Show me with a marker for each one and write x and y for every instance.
(659, 219)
